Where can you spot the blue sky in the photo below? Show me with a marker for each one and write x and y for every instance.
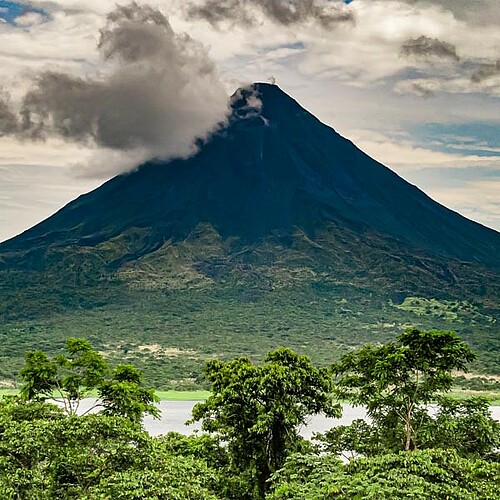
(11, 11)
(414, 83)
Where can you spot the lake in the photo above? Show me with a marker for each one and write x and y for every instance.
(174, 414)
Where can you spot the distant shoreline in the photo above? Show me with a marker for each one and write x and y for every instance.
(201, 395)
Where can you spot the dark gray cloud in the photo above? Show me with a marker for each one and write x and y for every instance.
(478, 12)
(9, 123)
(420, 90)
(285, 12)
(159, 93)
(425, 47)
(485, 72)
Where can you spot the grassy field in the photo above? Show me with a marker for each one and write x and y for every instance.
(188, 395)
(493, 396)
(163, 395)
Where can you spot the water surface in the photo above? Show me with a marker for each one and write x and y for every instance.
(176, 413)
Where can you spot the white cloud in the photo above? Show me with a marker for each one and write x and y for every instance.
(29, 19)
(403, 155)
(477, 200)
(30, 193)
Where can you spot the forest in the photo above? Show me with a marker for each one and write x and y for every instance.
(418, 442)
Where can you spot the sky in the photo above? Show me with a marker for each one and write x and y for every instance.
(90, 89)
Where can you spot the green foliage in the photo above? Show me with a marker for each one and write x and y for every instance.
(478, 383)
(396, 381)
(203, 446)
(450, 310)
(210, 297)
(71, 378)
(47, 454)
(258, 410)
(253, 449)
(214, 454)
(465, 426)
(429, 474)
(177, 479)
(123, 394)
(319, 318)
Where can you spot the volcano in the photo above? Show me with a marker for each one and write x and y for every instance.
(275, 169)
(275, 206)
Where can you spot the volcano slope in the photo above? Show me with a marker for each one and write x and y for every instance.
(278, 231)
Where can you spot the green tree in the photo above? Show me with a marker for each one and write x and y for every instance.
(465, 426)
(258, 411)
(82, 372)
(46, 454)
(422, 475)
(26, 431)
(396, 381)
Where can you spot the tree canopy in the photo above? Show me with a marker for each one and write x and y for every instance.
(259, 410)
(252, 448)
(397, 380)
(422, 475)
(83, 372)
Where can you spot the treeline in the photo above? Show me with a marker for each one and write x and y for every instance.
(252, 448)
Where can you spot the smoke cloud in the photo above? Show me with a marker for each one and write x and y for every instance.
(284, 12)
(160, 92)
(424, 47)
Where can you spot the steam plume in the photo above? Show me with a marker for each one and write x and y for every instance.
(159, 94)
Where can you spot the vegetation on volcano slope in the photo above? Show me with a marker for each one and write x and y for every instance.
(169, 334)
(168, 310)
(253, 450)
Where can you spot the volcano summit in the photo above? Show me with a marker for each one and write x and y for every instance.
(276, 213)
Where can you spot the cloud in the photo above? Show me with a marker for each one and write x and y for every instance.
(477, 200)
(403, 155)
(156, 92)
(477, 12)
(49, 188)
(420, 87)
(426, 47)
(247, 101)
(486, 72)
(283, 12)
(30, 19)
(487, 83)
(8, 120)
